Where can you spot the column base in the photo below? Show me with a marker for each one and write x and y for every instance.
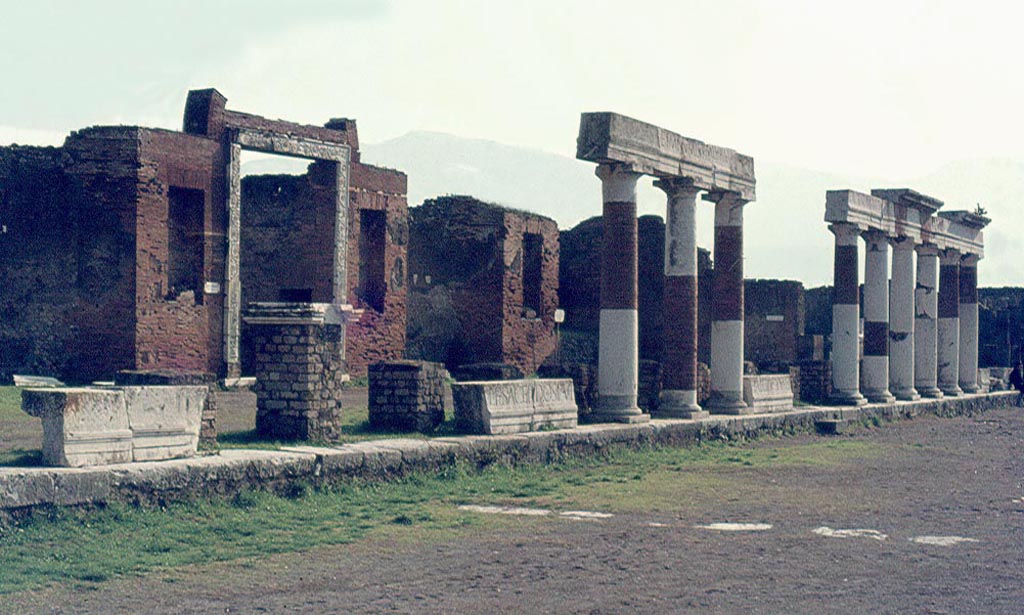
(674, 404)
(879, 396)
(618, 409)
(727, 402)
(969, 388)
(847, 398)
(930, 392)
(951, 391)
(908, 395)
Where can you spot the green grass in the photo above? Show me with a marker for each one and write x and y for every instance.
(10, 403)
(86, 547)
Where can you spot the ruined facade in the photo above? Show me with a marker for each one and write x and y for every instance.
(116, 250)
(483, 284)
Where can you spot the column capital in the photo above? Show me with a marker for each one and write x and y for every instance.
(845, 233)
(678, 187)
(927, 249)
(873, 236)
(969, 260)
(719, 197)
(618, 182)
(949, 256)
(903, 243)
(728, 207)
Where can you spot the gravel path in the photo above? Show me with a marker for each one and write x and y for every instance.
(938, 478)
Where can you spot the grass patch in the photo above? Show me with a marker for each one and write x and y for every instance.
(87, 547)
(10, 403)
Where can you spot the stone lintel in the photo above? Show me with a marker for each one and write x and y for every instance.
(611, 138)
(909, 198)
(289, 145)
(284, 313)
(866, 212)
(957, 230)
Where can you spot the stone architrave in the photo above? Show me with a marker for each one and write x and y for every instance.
(618, 343)
(926, 317)
(846, 317)
(678, 398)
(876, 318)
(727, 307)
(948, 343)
(968, 313)
(514, 406)
(901, 321)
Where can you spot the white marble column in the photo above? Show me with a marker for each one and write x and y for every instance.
(678, 397)
(233, 279)
(969, 323)
(926, 316)
(901, 321)
(727, 306)
(876, 318)
(948, 344)
(618, 341)
(845, 356)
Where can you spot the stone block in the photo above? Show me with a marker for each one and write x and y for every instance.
(164, 420)
(514, 406)
(81, 426)
(768, 393)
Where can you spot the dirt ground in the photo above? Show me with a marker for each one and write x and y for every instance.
(935, 477)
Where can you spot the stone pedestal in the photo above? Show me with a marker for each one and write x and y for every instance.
(514, 406)
(407, 395)
(299, 368)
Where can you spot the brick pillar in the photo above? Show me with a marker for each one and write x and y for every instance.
(969, 323)
(901, 321)
(876, 318)
(679, 363)
(926, 314)
(948, 355)
(845, 356)
(298, 368)
(727, 306)
(618, 341)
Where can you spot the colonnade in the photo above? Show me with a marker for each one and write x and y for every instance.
(920, 332)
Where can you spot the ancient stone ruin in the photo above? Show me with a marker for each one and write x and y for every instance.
(625, 149)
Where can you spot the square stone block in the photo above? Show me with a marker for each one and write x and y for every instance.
(81, 426)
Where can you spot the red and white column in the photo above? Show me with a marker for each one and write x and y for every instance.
(727, 306)
(618, 345)
(876, 318)
(679, 363)
(948, 354)
(845, 355)
(969, 323)
(901, 321)
(926, 318)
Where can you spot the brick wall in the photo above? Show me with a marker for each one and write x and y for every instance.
(467, 261)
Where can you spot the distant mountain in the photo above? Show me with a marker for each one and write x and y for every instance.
(785, 235)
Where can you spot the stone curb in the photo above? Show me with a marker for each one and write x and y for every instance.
(235, 470)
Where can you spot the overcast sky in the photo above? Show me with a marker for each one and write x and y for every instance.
(872, 89)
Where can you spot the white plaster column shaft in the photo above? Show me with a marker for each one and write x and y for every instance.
(727, 307)
(901, 321)
(969, 323)
(845, 356)
(948, 344)
(618, 328)
(876, 318)
(678, 398)
(926, 315)
(233, 281)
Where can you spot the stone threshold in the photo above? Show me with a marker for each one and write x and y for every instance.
(231, 471)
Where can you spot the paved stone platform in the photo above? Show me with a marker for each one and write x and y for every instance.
(233, 470)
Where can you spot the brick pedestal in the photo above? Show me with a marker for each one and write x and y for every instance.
(299, 370)
(407, 395)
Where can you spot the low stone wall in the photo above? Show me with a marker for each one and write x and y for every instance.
(407, 395)
(231, 471)
(514, 406)
(96, 426)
